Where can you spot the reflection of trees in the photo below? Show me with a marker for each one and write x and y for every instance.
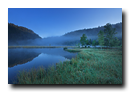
(20, 57)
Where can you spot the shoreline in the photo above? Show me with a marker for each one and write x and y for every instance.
(90, 66)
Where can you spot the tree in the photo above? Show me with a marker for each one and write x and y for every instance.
(97, 43)
(109, 34)
(87, 42)
(121, 45)
(101, 38)
(90, 41)
(94, 43)
(115, 42)
(83, 40)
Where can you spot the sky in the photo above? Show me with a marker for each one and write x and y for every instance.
(48, 22)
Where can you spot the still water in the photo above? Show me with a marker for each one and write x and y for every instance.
(27, 58)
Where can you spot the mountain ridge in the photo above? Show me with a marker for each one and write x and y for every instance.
(95, 30)
(28, 37)
(16, 32)
(73, 37)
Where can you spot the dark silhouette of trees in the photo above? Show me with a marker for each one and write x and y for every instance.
(109, 34)
(20, 33)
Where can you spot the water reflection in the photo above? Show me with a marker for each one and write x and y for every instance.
(20, 56)
(19, 59)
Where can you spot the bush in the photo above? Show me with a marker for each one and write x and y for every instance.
(88, 46)
(65, 48)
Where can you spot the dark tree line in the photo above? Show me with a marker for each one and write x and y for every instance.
(20, 33)
(106, 37)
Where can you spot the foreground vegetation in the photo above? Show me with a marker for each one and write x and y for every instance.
(90, 66)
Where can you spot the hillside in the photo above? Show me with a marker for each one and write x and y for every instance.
(22, 36)
(19, 33)
(91, 33)
(73, 37)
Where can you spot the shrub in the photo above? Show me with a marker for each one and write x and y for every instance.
(88, 46)
(65, 48)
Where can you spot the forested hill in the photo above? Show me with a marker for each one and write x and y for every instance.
(16, 33)
(73, 37)
(91, 33)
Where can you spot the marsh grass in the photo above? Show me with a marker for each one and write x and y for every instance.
(91, 66)
(73, 50)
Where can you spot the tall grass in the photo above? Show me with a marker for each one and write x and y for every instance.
(91, 66)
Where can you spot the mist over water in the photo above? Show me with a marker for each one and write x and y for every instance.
(50, 41)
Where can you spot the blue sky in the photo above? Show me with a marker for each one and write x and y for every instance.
(58, 21)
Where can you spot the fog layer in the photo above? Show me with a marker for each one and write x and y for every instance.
(68, 39)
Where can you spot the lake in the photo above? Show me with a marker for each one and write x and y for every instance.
(27, 58)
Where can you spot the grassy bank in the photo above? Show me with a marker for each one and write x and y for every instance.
(73, 50)
(91, 66)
